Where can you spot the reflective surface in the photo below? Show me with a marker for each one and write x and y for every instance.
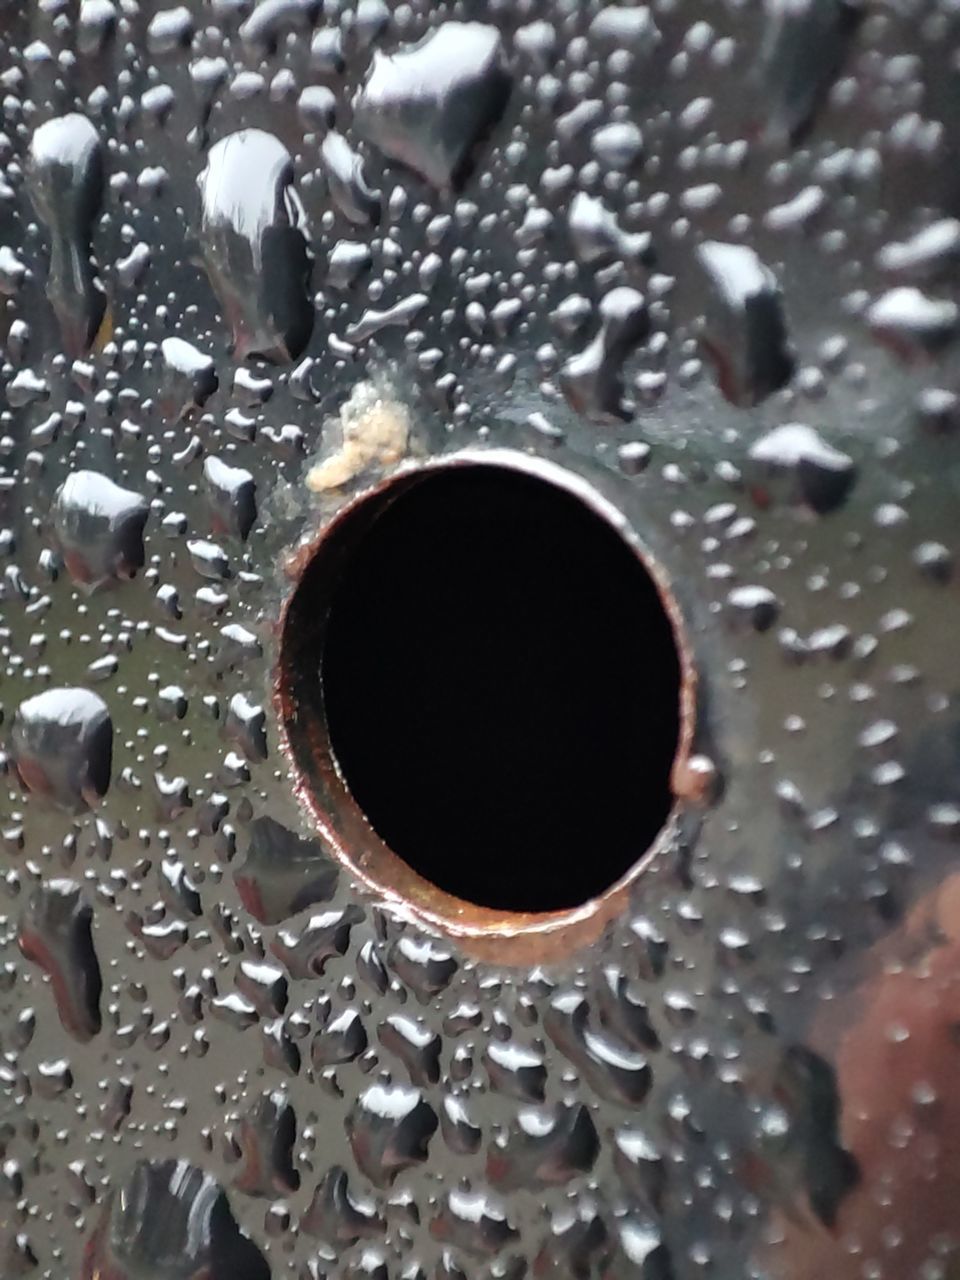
(255, 257)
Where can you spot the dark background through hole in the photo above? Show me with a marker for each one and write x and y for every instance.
(501, 686)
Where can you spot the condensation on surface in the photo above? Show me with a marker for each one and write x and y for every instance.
(704, 255)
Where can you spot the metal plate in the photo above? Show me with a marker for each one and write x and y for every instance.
(703, 259)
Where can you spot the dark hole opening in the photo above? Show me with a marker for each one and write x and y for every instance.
(501, 687)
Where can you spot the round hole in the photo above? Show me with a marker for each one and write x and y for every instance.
(492, 672)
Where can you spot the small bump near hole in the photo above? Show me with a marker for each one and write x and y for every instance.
(498, 681)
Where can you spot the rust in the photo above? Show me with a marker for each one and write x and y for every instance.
(504, 937)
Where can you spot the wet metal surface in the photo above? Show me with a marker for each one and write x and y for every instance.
(255, 258)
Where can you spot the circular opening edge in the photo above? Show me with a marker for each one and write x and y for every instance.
(489, 934)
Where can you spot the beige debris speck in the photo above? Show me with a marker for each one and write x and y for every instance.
(375, 432)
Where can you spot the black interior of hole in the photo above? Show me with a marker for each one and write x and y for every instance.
(501, 687)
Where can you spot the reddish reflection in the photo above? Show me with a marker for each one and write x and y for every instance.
(895, 1045)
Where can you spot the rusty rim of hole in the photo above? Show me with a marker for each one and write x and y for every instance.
(505, 937)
